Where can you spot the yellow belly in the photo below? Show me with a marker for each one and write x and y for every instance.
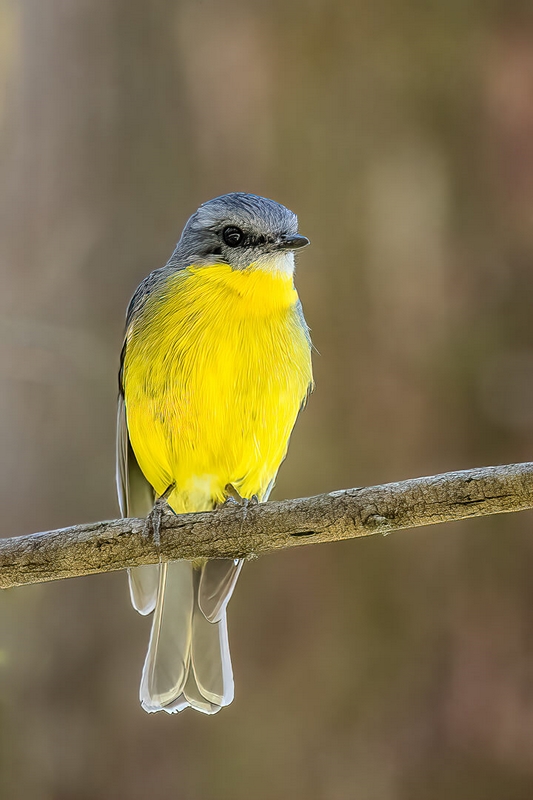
(215, 371)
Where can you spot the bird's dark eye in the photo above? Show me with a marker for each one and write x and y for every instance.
(232, 236)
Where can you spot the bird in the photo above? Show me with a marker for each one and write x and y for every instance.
(215, 368)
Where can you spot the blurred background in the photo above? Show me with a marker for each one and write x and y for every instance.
(396, 668)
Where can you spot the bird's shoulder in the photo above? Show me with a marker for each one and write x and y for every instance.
(153, 282)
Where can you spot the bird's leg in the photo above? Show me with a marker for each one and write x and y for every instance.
(152, 526)
(234, 498)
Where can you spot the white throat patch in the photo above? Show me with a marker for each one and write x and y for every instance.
(282, 262)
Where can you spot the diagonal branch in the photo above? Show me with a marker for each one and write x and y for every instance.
(237, 532)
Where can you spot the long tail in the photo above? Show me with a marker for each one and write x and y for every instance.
(188, 661)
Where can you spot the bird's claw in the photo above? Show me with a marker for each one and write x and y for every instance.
(234, 498)
(229, 502)
(152, 525)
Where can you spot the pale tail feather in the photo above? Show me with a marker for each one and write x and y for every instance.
(217, 582)
(143, 582)
(209, 684)
(188, 661)
(210, 658)
(191, 697)
(167, 660)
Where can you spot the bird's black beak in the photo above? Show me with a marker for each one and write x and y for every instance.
(293, 242)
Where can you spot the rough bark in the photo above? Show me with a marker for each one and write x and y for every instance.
(245, 532)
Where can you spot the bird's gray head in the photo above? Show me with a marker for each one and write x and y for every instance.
(241, 230)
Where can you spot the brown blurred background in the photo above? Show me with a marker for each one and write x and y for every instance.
(396, 668)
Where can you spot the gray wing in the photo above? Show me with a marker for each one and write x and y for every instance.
(136, 499)
(135, 495)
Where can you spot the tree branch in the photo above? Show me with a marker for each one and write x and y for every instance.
(237, 532)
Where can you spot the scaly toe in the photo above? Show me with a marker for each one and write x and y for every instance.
(152, 525)
(230, 501)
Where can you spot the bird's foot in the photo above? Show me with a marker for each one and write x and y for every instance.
(229, 502)
(247, 502)
(152, 525)
(234, 498)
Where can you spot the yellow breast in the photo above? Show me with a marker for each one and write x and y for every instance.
(216, 368)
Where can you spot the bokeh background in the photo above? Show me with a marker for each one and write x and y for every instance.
(396, 668)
